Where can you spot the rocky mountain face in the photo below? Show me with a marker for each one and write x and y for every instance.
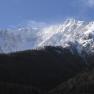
(47, 59)
(43, 71)
(34, 35)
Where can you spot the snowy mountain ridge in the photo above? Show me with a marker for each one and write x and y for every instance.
(71, 32)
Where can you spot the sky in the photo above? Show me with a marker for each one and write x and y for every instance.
(13, 12)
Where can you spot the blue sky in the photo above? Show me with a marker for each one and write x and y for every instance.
(13, 12)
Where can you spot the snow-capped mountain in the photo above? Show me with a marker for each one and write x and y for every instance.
(71, 32)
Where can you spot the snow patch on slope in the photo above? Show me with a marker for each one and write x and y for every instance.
(77, 34)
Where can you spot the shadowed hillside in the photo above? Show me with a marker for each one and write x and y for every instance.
(83, 83)
(41, 70)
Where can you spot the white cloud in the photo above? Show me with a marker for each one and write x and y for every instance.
(88, 3)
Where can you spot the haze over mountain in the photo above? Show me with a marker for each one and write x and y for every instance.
(32, 35)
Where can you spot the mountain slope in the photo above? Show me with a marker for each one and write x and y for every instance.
(80, 34)
(43, 68)
(83, 83)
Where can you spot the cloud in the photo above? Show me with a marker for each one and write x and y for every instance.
(83, 9)
(83, 3)
(88, 3)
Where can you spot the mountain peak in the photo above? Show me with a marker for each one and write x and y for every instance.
(33, 35)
